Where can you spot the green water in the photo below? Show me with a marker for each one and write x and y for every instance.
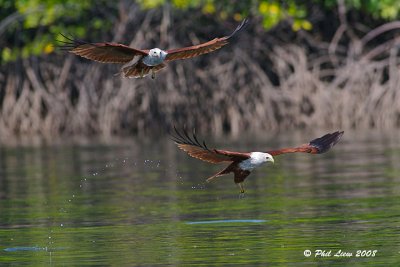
(143, 202)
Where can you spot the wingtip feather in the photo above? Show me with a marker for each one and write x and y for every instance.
(239, 27)
(70, 44)
(326, 142)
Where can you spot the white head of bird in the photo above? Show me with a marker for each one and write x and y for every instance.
(156, 56)
(256, 159)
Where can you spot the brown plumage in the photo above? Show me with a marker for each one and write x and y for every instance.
(242, 163)
(103, 52)
(135, 59)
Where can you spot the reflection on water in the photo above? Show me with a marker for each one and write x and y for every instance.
(138, 202)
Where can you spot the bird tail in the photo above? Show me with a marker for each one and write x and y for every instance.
(140, 70)
(223, 172)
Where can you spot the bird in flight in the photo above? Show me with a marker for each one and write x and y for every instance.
(243, 163)
(138, 62)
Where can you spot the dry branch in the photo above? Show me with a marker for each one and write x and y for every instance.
(227, 91)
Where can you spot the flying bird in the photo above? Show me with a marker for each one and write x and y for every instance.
(243, 163)
(139, 62)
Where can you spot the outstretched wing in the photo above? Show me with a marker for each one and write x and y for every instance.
(316, 146)
(197, 50)
(102, 52)
(198, 150)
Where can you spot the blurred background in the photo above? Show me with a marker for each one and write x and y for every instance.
(323, 64)
(88, 175)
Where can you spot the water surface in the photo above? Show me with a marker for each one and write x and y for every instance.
(143, 202)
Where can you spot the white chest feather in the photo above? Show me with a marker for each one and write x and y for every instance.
(256, 159)
(155, 57)
(247, 165)
(152, 61)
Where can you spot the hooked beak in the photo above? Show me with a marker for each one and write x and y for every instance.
(272, 160)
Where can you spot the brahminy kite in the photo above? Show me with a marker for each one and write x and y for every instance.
(138, 62)
(242, 163)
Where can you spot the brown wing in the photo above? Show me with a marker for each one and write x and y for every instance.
(102, 52)
(200, 151)
(197, 50)
(316, 146)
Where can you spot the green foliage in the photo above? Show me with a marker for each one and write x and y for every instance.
(272, 11)
(40, 23)
(45, 12)
(379, 9)
(386, 9)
